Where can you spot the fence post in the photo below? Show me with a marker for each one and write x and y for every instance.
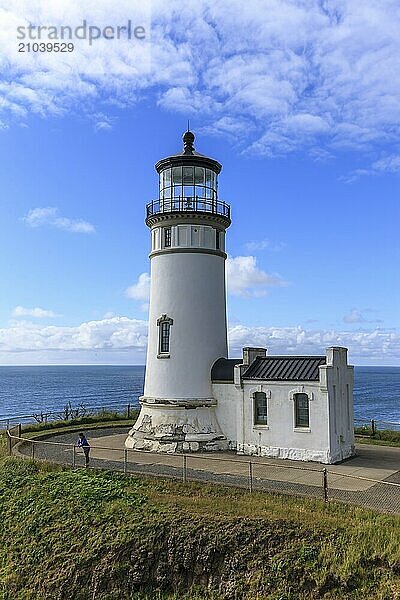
(184, 469)
(33, 451)
(325, 483)
(9, 443)
(373, 428)
(250, 476)
(19, 430)
(73, 456)
(125, 459)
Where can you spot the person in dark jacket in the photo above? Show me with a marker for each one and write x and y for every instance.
(84, 444)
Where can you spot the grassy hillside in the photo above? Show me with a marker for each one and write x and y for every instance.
(83, 535)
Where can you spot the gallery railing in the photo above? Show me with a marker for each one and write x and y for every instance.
(188, 204)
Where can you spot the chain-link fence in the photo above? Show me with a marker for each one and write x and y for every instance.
(363, 427)
(334, 482)
(13, 437)
(375, 429)
(372, 426)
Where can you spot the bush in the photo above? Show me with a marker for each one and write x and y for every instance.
(101, 417)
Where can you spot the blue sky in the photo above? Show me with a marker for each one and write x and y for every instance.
(300, 103)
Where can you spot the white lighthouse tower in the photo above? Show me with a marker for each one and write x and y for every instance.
(187, 316)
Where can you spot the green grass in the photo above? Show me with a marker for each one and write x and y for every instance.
(80, 535)
(382, 437)
(105, 416)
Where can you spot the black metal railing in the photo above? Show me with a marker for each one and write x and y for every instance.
(188, 204)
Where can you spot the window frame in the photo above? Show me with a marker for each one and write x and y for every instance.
(199, 184)
(299, 422)
(217, 239)
(257, 421)
(167, 241)
(164, 336)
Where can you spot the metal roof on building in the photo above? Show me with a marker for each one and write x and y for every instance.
(285, 368)
(222, 369)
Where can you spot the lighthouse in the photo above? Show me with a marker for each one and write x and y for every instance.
(195, 398)
(187, 331)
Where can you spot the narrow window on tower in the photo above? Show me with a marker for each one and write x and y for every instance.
(164, 331)
(167, 237)
(217, 239)
(164, 338)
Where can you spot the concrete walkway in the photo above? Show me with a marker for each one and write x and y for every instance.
(367, 479)
(371, 462)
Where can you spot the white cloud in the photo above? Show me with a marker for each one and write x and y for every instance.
(115, 333)
(50, 215)
(244, 278)
(102, 122)
(109, 315)
(124, 338)
(37, 312)
(141, 289)
(276, 76)
(360, 316)
(386, 164)
(320, 155)
(365, 347)
(354, 316)
(253, 246)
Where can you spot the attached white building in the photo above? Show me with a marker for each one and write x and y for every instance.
(296, 407)
(195, 398)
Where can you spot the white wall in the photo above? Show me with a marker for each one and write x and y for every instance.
(280, 438)
(337, 379)
(189, 288)
(229, 403)
(188, 235)
(330, 435)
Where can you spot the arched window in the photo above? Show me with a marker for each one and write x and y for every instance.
(301, 410)
(260, 408)
(164, 324)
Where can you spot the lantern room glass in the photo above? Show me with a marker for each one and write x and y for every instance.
(188, 188)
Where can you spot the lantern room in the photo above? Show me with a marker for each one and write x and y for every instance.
(188, 182)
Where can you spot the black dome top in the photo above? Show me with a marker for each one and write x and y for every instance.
(188, 139)
(188, 156)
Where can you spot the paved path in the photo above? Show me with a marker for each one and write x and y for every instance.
(349, 481)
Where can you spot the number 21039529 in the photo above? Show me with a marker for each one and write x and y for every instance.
(45, 47)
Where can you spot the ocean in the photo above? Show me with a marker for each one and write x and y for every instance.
(30, 390)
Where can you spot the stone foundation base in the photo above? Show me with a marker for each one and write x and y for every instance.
(302, 454)
(152, 445)
(184, 426)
